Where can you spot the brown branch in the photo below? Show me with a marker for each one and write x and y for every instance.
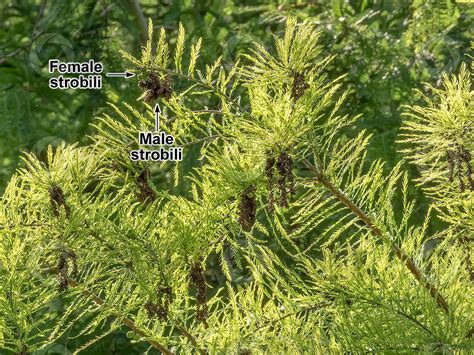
(125, 321)
(440, 300)
(181, 328)
(191, 338)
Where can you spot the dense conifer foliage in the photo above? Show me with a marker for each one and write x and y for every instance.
(281, 230)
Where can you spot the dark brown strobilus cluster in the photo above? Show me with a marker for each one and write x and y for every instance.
(286, 182)
(56, 198)
(198, 280)
(24, 350)
(248, 208)
(63, 269)
(160, 309)
(299, 86)
(146, 193)
(155, 88)
(458, 157)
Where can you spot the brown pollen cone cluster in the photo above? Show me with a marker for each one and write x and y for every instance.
(457, 158)
(24, 350)
(198, 280)
(248, 208)
(63, 269)
(299, 86)
(155, 88)
(160, 309)
(285, 183)
(56, 198)
(146, 193)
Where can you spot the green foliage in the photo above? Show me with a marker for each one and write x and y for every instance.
(33, 31)
(384, 49)
(439, 137)
(443, 137)
(279, 232)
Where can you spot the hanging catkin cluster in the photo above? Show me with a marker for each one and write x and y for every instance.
(458, 157)
(285, 182)
(146, 194)
(299, 86)
(198, 280)
(155, 88)
(160, 309)
(56, 198)
(63, 268)
(248, 208)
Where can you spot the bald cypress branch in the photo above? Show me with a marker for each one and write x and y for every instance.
(407, 261)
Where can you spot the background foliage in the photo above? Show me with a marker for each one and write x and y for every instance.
(385, 49)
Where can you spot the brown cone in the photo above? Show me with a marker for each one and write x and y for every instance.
(247, 208)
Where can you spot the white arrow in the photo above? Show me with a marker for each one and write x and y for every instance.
(157, 112)
(125, 75)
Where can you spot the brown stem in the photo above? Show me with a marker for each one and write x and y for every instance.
(126, 321)
(191, 338)
(440, 300)
(181, 328)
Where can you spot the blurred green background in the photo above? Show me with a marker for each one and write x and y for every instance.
(385, 49)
